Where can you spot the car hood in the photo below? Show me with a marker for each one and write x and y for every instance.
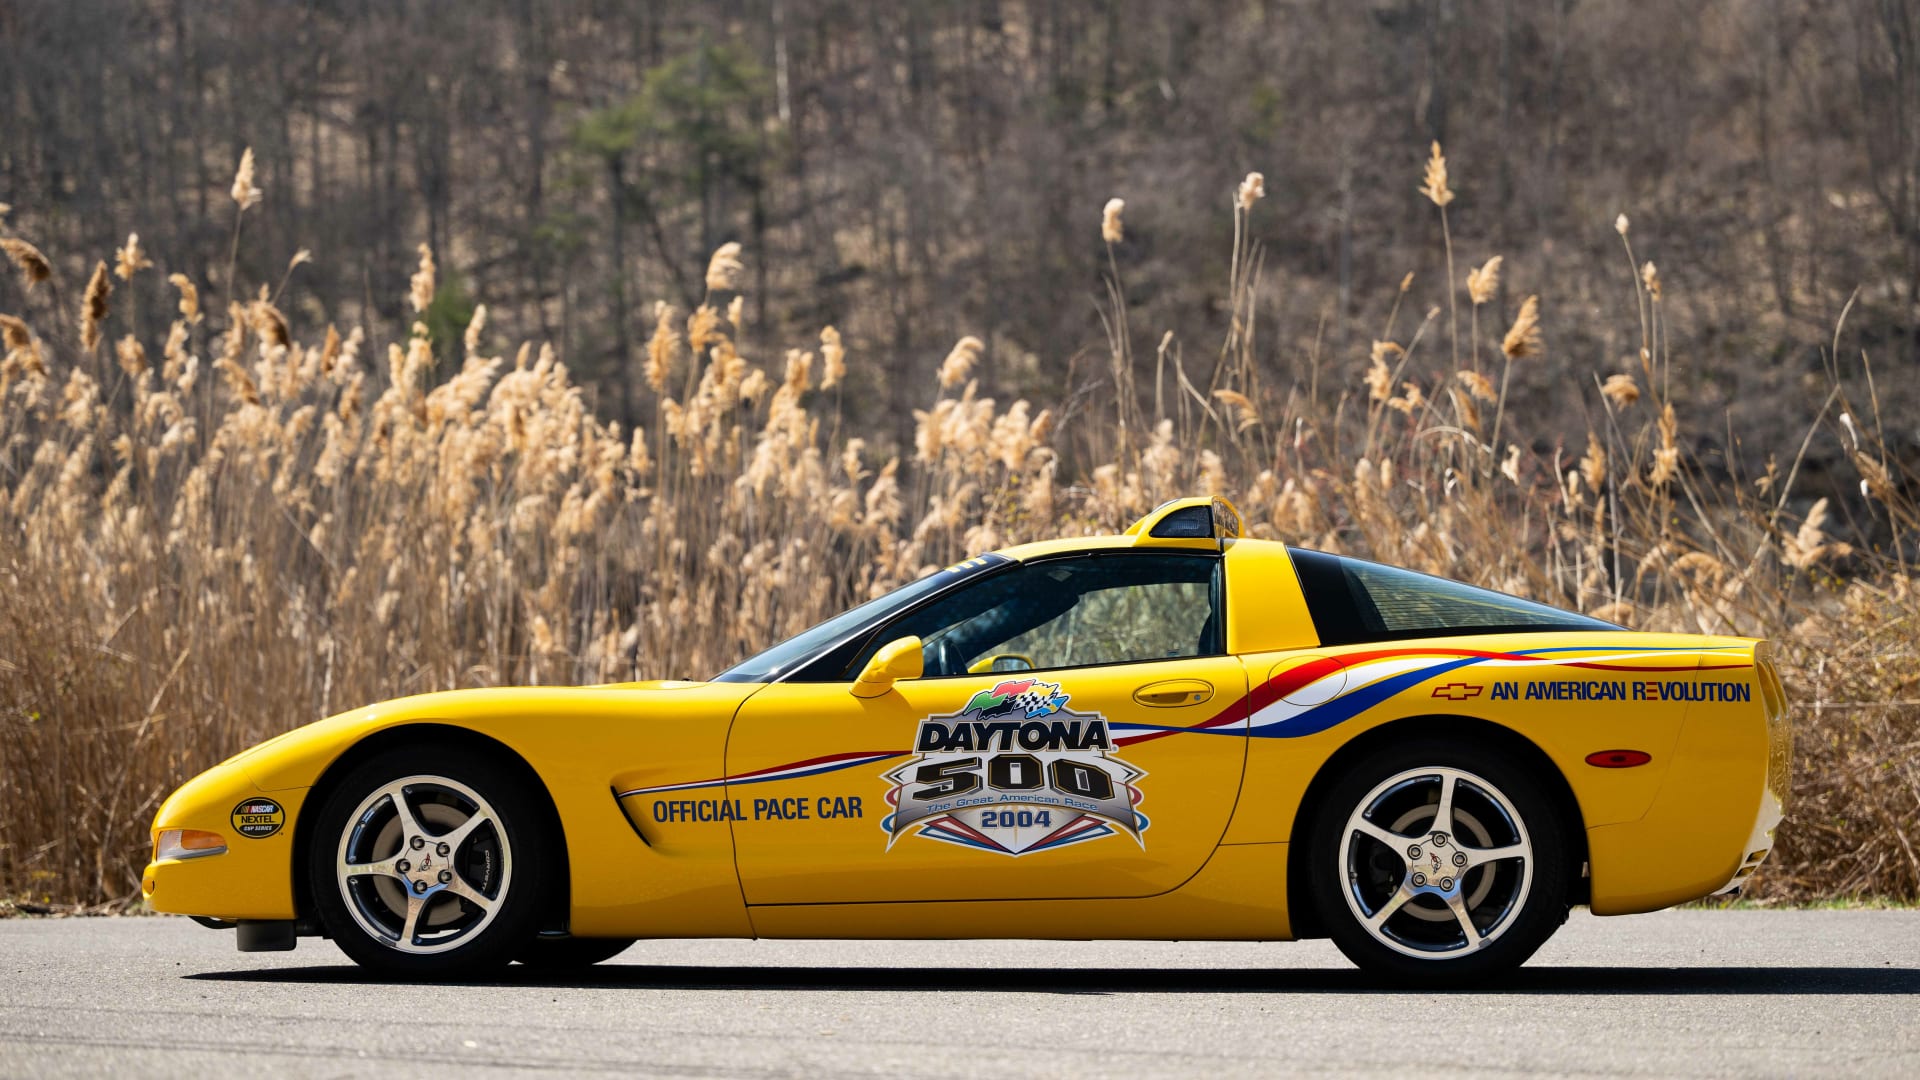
(298, 757)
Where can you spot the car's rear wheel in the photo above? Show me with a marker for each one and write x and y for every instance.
(566, 953)
(430, 862)
(1438, 863)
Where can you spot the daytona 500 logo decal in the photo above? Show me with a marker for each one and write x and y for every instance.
(1014, 771)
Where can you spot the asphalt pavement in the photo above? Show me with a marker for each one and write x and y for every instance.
(1684, 993)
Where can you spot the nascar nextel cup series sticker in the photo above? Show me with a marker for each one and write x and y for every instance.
(1015, 771)
(258, 818)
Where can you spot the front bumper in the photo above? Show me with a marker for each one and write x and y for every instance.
(253, 878)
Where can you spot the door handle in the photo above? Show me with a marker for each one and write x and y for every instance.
(1172, 693)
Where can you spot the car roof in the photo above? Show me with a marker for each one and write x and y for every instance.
(1196, 523)
(1041, 549)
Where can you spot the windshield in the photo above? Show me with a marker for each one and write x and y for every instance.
(772, 664)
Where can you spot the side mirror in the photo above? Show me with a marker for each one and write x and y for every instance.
(896, 660)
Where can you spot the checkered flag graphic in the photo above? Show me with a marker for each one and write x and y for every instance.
(1034, 701)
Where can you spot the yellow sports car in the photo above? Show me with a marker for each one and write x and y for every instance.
(1178, 732)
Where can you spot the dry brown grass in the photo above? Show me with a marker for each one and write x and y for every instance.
(266, 524)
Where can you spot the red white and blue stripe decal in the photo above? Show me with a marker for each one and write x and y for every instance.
(1328, 691)
(1305, 700)
(810, 767)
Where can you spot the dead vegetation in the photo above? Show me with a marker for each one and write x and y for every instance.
(219, 532)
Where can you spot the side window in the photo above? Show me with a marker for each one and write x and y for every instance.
(1077, 612)
(1355, 601)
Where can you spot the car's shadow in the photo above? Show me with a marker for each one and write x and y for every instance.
(1886, 980)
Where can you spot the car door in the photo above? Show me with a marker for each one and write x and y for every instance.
(1078, 732)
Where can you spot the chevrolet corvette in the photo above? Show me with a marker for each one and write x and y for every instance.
(1179, 732)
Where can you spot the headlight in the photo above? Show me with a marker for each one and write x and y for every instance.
(187, 844)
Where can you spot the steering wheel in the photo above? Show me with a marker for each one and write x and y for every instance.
(937, 657)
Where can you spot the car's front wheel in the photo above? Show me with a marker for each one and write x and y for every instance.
(1438, 863)
(430, 862)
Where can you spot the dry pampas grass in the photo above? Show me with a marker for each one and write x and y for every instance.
(959, 363)
(33, 266)
(1434, 185)
(1483, 282)
(1252, 190)
(725, 268)
(244, 191)
(421, 288)
(93, 308)
(1523, 337)
(130, 260)
(192, 564)
(1621, 390)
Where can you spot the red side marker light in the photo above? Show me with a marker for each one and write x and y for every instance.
(1618, 759)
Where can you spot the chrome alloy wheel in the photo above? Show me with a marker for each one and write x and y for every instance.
(423, 864)
(1437, 862)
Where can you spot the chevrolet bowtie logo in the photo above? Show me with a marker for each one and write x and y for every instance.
(1457, 691)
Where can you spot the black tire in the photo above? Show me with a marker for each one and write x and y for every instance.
(1513, 904)
(570, 953)
(504, 863)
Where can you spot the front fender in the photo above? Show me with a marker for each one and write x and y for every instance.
(575, 739)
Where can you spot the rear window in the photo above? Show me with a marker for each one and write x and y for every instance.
(1355, 601)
